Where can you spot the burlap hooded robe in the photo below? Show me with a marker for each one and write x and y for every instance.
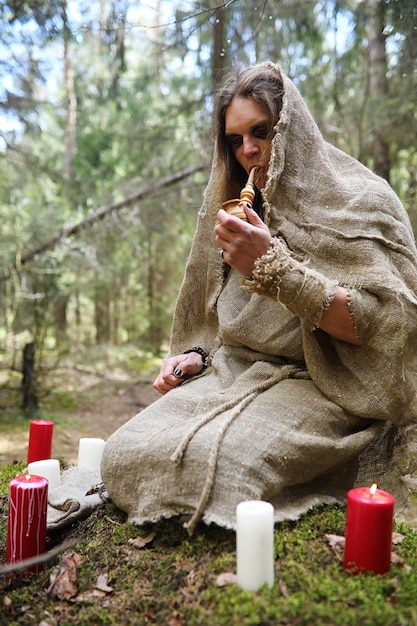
(285, 411)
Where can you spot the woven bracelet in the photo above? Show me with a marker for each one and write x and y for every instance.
(202, 353)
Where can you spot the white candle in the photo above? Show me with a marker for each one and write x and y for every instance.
(255, 544)
(48, 468)
(90, 451)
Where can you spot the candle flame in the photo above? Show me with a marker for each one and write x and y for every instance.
(373, 489)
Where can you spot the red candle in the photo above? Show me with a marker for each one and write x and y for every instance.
(40, 440)
(369, 523)
(26, 524)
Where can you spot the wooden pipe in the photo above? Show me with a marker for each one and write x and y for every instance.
(247, 195)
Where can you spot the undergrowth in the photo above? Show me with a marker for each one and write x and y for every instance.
(174, 579)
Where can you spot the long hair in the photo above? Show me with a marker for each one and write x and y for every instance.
(261, 83)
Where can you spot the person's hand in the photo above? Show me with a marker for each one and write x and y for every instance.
(242, 242)
(176, 369)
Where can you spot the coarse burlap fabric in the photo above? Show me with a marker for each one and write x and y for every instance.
(286, 413)
(74, 499)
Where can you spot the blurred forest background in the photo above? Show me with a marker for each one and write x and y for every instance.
(105, 146)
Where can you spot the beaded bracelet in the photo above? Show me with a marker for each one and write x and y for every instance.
(205, 356)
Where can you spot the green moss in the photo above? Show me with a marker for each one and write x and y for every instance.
(7, 473)
(173, 578)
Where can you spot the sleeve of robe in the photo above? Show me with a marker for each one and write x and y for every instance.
(377, 380)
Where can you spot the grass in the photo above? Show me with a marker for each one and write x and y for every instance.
(173, 579)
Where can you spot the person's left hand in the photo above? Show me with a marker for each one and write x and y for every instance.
(242, 242)
(175, 369)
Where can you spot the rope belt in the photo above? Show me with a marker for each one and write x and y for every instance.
(237, 405)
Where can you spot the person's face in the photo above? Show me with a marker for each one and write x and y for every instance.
(248, 132)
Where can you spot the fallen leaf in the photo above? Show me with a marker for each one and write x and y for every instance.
(101, 583)
(336, 541)
(226, 578)
(283, 588)
(397, 538)
(7, 604)
(64, 581)
(175, 621)
(141, 542)
(190, 577)
(89, 595)
(100, 591)
(395, 558)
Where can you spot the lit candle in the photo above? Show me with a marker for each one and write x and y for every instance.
(40, 440)
(255, 544)
(26, 524)
(90, 451)
(48, 468)
(369, 523)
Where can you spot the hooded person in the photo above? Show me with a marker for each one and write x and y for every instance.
(287, 410)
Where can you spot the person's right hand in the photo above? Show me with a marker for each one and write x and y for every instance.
(242, 242)
(176, 369)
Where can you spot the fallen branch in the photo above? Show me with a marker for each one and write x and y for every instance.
(11, 568)
(100, 215)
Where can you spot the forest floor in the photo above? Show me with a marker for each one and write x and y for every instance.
(85, 401)
(104, 408)
(115, 573)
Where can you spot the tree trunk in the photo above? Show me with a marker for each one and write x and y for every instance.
(378, 84)
(102, 316)
(157, 47)
(30, 401)
(118, 56)
(219, 60)
(70, 100)
(60, 318)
